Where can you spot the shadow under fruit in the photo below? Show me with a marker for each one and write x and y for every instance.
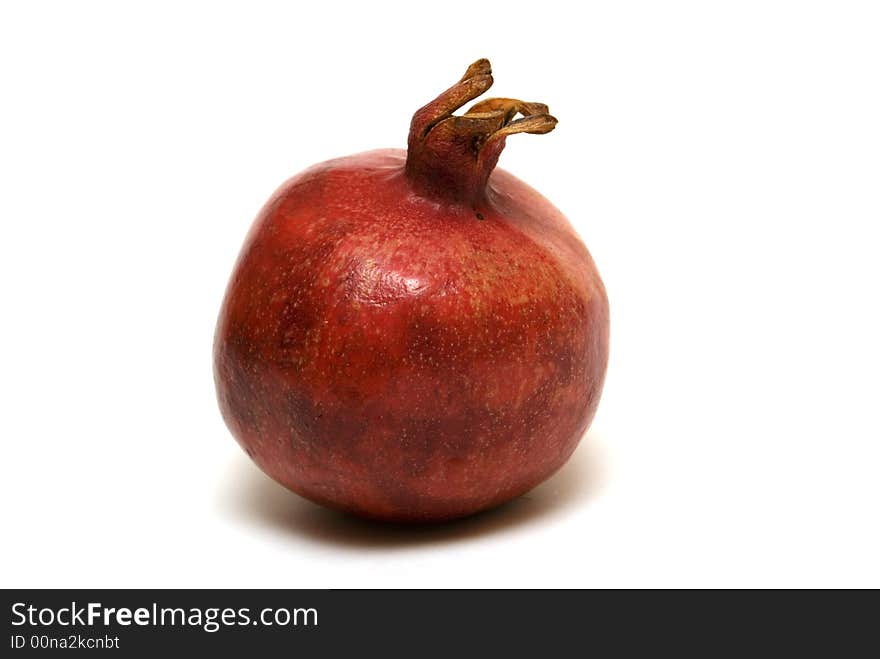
(414, 335)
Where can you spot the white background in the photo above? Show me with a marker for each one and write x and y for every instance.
(720, 160)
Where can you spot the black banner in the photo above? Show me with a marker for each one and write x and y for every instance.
(416, 623)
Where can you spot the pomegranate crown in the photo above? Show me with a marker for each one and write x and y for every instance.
(453, 155)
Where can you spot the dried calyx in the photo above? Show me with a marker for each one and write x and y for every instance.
(453, 155)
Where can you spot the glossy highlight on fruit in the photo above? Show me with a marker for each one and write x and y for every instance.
(414, 335)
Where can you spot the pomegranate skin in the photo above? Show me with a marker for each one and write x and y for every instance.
(406, 358)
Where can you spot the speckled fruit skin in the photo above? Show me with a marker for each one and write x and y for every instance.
(404, 358)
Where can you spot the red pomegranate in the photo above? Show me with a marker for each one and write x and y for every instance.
(414, 336)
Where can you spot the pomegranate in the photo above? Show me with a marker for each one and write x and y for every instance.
(414, 336)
